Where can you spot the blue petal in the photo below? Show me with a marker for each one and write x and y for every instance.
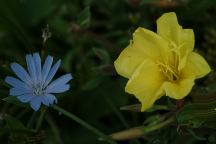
(61, 80)
(25, 98)
(21, 73)
(49, 99)
(36, 102)
(58, 88)
(19, 91)
(52, 73)
(37, 61)
(46, 67)
(16, 83)
(31, 67)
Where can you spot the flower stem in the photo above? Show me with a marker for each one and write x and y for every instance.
(40, 120)
(54, 128)
(139, 131)
(160, 125)
(84, 124)
(31, 120)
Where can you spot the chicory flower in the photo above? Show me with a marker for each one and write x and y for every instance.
(36, 85)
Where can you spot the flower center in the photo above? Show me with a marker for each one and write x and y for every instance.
(169, 72)
(169, 67)
(38, 90)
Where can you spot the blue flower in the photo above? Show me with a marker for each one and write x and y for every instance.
(35, 85)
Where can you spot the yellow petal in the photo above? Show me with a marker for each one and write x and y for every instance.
(150, 44)
(128, 61)
(146, 45)
(186, 40)
(196, 66)
(183, 60)
(179, 89)
(146, 84)
(168, 28)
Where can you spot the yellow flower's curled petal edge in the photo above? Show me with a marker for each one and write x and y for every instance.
(179, 89)
(146, 84)
(145, 45)
(151, 45)
(196, 66)
(128, 61)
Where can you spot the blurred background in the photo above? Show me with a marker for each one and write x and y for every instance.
(88, 36)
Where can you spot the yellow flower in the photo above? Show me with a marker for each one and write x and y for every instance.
(161, 63)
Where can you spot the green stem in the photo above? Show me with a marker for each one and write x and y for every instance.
(118, 114)
(40, 120)
(120, 117)
(5, 107)
(139, 131)
(84, 124)
(31, 120)
(54, 128)
(158, 126)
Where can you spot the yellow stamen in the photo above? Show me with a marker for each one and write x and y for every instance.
(169, 68)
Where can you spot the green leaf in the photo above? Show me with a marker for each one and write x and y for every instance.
(134, 107)
(88, 2)
(67, 61)
(93, 83)
(157, 107)
(36, 10)
(147, 1)
(197, 114)
(13, 123)
(84, 18)
(211, 87)
(195, 135)
(152, 120)
(14, 100)
(102, 54)
(59, 26)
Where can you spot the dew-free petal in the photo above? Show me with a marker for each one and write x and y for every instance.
(169, 28)
(16, 83)
(36, 102)
(21, 73)
(180, 89)
(145, 45)
(52, 73)
(46, 67)
(146, 84)
(25, 97)
(31, 67)
(60, 81)
(58, 88)
(49, 99)
(196, 66)
(149, 44)
(128, 61)
(19, 91)
(37, 61)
